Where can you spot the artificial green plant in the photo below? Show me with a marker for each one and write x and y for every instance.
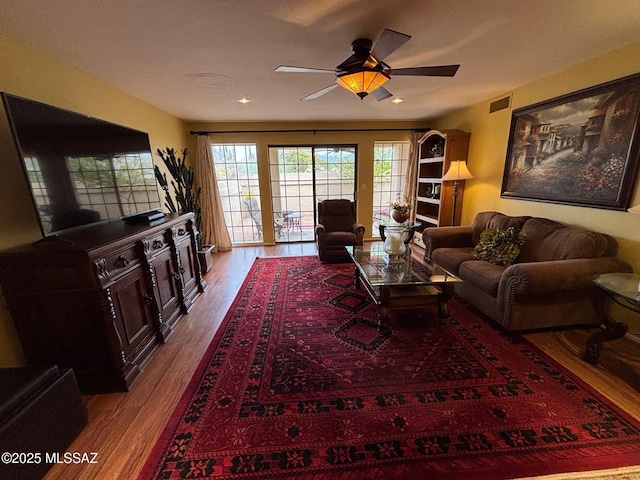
(185, 193)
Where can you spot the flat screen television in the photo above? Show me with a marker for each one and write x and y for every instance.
(81, 170)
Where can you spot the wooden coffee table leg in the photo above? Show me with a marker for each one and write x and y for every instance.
(383, 309)
(443, 309)
(383, 315)
(443, 312)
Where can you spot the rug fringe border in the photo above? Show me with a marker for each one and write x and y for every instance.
(620, 473)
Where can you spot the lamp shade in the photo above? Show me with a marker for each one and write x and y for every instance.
(457, 171)
(635, 209)
(363, 82)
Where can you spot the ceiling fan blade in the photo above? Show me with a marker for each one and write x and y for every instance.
(381, 93)
(439, 71)
(288, 69)
(319, 93)
(389, 41)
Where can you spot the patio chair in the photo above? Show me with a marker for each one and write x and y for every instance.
(278, 224)
(251, 204)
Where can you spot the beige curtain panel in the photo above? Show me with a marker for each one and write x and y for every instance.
(411, 179)
(213, 226)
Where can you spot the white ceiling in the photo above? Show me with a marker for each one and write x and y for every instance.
(196, 58)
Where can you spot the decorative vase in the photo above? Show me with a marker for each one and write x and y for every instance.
(394, 245)
(400, 216)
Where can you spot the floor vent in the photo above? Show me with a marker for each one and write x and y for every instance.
(499, 104)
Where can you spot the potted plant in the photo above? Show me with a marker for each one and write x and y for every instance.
(187, 196)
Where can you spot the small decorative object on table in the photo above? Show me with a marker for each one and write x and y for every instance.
(400, 211)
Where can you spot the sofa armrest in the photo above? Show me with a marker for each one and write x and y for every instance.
(556, 276)
(320, 230)
(358, 230)
(451, 237)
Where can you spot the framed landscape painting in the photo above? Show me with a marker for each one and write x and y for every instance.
(578, 149)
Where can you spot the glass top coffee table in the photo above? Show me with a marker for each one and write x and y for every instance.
(404, 286)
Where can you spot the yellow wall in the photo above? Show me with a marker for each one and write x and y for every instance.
(384, 132)
(488, 147)
(34, 75)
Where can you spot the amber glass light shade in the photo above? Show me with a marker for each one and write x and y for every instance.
(362, 83)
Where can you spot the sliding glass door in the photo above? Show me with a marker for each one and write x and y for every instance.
(301, 176)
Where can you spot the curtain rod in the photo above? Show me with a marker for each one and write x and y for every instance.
(311, 130)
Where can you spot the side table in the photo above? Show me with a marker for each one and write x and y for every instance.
(622, 288)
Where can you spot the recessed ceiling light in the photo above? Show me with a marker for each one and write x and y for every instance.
(244, 100)
(397, 100)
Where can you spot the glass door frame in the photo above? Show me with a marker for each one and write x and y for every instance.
(284, 224)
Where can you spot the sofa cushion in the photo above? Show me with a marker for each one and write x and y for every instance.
(485, 220)
(549, 240)
(451, 258)
(483, 275)
(499, 246)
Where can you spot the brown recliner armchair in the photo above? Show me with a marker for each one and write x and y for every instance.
(336, 229)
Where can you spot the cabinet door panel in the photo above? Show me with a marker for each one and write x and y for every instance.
(188, 273)
(133, 315)
(165, 284)
(166, 290)
(187, 260)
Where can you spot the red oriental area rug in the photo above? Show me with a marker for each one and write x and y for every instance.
(300, 384)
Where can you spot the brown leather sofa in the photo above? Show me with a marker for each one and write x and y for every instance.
(549, 285)
(337, 228)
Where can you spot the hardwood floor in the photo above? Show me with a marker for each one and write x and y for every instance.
(124, 427)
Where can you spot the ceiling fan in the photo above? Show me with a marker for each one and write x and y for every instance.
(365, 72)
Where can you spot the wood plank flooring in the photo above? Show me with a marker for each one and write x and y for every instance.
(124, 427)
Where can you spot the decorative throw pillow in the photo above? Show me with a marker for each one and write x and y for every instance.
(499, 246)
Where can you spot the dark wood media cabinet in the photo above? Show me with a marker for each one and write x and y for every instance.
(101, 299)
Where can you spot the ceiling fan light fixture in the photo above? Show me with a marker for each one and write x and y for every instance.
(362, 82)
